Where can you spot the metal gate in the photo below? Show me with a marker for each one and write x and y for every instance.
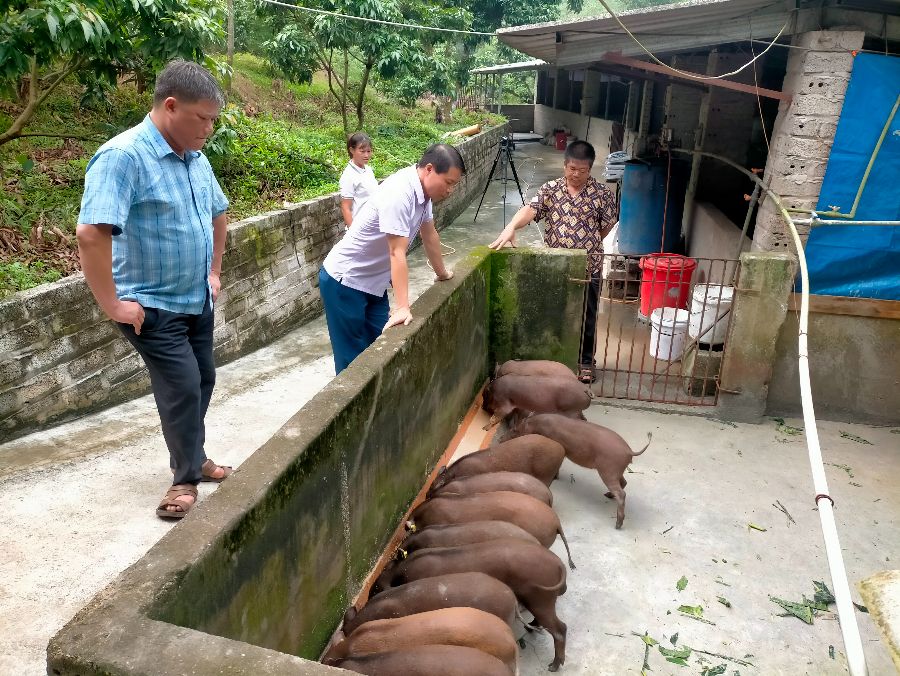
(664, 355)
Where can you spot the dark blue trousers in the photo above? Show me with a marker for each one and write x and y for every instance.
(178, 351)
(355, 318)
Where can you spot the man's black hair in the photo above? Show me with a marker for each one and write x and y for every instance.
(443, 157)
(579, 151)
(187, 81)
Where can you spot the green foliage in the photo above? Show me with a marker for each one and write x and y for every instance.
(20, 276)
(99, 41)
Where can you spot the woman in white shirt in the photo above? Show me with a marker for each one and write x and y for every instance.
(358, 181)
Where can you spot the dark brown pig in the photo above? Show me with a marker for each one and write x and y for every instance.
(538, 394)
(589, 445)
(469, 590)
(517, 482)
(533, 454)
(457, 534)
(534, 367)
(468, 627)
(427, 660)
(536, 576)
(523, 510)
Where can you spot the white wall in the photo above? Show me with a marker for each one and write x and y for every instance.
(713, 235)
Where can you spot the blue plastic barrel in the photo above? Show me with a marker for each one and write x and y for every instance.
(644, 203)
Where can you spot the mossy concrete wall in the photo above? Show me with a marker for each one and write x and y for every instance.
(255, 579)
(854, 369)
(60, 357)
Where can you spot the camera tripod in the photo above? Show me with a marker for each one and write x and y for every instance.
(504, 155)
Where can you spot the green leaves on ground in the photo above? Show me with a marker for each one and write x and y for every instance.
(725, 602)
(682, 583)
(784, 428)
(714, 671)
(807, 609)
(676, 656)
(853, 437)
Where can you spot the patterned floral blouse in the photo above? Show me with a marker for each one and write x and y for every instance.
(576, 222)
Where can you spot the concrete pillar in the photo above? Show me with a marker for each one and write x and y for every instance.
(817, 78)
(759, 308)
(644, 119)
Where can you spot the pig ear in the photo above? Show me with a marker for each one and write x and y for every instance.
(496, 369)
(350, 614)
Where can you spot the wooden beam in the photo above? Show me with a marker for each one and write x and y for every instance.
(847, 305)
(615, 57)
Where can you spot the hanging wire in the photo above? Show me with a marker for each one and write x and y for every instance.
(379, 21)
(685, 73)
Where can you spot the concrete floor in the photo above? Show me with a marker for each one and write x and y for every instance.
(78, 499)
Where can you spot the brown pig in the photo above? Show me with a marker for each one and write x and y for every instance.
(468, 627)
(456, 534)
(470, 590)
(539, 394)
(517, 482)
(427, 660)
(589, 445)
(523, 510)
(533, 454)
(536, 576)
(534, 367)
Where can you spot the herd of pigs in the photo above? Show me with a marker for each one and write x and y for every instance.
(447, 603)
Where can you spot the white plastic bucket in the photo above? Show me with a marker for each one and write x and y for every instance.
(668, 327)
(709, 302)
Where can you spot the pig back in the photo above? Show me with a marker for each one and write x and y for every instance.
(454, 535)
(534, 367)
(470, 590)
(531, 453)
(427, 660)
(490, 482)
(467, 627)
(540, 394)
(530, 514)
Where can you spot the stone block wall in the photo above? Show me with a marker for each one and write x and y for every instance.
(817, 77)
(60, 357)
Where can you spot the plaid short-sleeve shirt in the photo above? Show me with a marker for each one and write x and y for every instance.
(575, 222)
(160, 207)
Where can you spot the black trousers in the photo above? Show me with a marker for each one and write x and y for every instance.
(178, 351)
(589, 329)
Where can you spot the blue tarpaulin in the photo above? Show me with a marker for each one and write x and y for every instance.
(862, 261)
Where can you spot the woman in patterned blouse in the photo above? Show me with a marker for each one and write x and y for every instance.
(578, 212)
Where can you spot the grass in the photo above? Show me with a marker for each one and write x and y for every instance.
(288, 146)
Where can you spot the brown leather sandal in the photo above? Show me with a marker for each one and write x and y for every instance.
(170, 501)
(207, 469)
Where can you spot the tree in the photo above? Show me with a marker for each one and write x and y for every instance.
(311, 42)
(45, 42)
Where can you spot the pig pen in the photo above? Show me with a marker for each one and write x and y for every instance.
(256, 579)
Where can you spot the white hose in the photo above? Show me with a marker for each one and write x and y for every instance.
(856, 659)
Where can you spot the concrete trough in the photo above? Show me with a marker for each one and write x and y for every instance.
(256, 578)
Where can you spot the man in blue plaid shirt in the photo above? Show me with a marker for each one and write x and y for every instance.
(151, 235)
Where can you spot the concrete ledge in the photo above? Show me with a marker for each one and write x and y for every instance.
(256, 577)
(881, 594)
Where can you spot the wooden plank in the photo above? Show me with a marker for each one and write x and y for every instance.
(615, 57)
(846, 305)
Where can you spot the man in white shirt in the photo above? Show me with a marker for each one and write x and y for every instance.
(371, 256)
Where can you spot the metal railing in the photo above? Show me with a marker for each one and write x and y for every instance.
(661, 332)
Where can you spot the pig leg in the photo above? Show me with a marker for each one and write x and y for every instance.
(542, 604)
(613, 483)
(622, 483)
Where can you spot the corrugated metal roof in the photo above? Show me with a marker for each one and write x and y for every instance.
(509, 67)
(668, 28)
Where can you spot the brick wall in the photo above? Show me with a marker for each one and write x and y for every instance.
(60, 357)
(817, 77)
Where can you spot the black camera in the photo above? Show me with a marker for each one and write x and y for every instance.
(507, 142)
